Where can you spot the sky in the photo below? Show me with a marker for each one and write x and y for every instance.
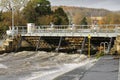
(113, 5)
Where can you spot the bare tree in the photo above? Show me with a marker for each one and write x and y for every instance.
(7, 5)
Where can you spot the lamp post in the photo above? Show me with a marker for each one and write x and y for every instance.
(89, 37)
(12, 9)
(12, 3)
(12, 18)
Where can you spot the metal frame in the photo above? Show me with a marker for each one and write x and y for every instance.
(37, 45)
(83, 44)
(104, 46)
(110, 43)
(111, 30)
(57, 49)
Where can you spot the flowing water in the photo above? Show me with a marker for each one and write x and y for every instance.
(29, 65)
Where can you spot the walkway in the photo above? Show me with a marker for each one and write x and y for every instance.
(105, 69)
(107, 30)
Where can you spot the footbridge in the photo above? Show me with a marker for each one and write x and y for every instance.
(74, 37)
(108, 30)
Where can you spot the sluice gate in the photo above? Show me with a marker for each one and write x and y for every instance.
(53, 43)
(58, 44)
(70, 38)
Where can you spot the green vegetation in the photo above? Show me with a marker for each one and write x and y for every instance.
(98, 55)
(77, 14)
(36, 9)
(40, 12)
(84, 22)
(33, 11)
(60, 17)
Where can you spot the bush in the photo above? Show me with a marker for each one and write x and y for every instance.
(98, 55)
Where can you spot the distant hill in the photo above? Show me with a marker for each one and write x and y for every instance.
(83, 10)
(76, 14)
(117, 12)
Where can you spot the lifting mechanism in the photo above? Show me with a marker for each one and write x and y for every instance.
(83, 45)
(110, 44)
(37, 45)
(57, 49)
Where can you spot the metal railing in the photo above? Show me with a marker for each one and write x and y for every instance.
(108, 28)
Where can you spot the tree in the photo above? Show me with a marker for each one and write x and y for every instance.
(84, 21)
(60, 11)
(57, 20)
(60, 17)
(35, 9)
(12, 5)
(29, 11)
(6, 19)
(1, 16)
(43, 7)
(7, 5)
(45, 20)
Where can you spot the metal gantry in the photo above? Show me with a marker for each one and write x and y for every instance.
(110, 30)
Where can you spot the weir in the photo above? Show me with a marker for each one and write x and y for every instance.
(58, 37)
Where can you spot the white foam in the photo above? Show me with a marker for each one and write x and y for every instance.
(1, 59)
(49, 75)
(3, 66)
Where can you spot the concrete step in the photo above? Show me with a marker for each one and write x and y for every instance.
(2, 49)
(9, 40)
(6, 44)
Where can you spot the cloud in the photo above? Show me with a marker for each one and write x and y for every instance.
(107, 4)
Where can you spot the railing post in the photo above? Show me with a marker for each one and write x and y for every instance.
(22, 30)
(116, 28)
(73, 28)
(17, 29)
(106, 29)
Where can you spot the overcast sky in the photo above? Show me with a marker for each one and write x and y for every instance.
(106, 4)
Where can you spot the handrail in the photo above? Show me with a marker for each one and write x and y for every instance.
(106, 28)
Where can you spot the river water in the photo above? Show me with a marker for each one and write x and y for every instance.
(29, 65)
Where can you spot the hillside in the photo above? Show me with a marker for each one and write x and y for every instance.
(76, 14)
(82, 10)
